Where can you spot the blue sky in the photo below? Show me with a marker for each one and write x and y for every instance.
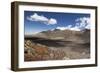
(35, 21)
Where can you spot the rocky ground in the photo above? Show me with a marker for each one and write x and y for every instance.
(39, 52)
(42, 49)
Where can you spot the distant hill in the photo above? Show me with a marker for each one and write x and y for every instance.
(66, 35)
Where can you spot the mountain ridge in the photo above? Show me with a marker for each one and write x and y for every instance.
(68, 35)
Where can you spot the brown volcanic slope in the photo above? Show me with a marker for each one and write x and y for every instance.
(66, 35)
(75, 44)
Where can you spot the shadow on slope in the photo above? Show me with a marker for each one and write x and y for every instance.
(55, 43)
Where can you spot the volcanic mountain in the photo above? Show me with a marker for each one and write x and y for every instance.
(66, 35)
(73, 44)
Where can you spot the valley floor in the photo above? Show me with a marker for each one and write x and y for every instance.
(38, 49)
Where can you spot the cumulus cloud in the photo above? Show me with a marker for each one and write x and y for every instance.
(43, 19)
(83, 23)
(80, 24)
(64, 28)
(69, 28)
(52, 21)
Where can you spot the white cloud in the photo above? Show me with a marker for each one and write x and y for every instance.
(75, 28)
(64, 28)
(52, 21)
(81, 24)
(43, 19)
(69, 28)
